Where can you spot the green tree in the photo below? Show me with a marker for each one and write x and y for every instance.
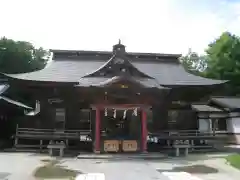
(223, 61)
(21, 56)
(193, 62)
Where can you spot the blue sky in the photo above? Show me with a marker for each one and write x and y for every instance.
(164, 26)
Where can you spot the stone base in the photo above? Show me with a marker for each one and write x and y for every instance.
(149, 155)
(233, 139)
(97, 151)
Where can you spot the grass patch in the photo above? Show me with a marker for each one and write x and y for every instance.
(54, 171)
(234, 160)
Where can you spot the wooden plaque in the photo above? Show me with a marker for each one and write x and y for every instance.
(129, 145)
(111, 146)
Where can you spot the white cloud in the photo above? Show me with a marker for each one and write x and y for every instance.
(146, 26)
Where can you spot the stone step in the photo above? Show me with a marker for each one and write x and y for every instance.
(122, 156)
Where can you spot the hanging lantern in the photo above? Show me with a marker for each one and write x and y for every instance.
(105, 112)
(124, 114)
(114, 113)
(135, 112)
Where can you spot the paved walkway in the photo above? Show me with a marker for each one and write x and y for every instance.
(20, 166)
(147, 169)
(10, 166)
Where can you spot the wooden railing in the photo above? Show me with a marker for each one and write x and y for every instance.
(187, 134)
(199, 141)
(46, 135)
(32, 133)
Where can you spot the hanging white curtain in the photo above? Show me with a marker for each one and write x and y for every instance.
(135, 111)
(124, 114)
(114, 113)
(105, 112)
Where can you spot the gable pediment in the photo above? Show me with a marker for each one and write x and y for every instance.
(118, 65)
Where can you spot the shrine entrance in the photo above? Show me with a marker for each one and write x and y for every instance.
(120, 128)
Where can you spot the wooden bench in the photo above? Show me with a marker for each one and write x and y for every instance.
(42, 135)
(59, 146)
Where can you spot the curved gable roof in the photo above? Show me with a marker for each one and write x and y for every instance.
(118, 65)
(73, 66)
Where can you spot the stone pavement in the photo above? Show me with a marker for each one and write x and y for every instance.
(21, 166)
(18, 166)
(117, 169)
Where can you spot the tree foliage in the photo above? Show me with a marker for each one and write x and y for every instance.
(21, 56)
(223, 61)
(193, 62)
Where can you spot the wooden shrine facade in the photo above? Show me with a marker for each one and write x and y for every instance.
(122, 144)
(113, 98)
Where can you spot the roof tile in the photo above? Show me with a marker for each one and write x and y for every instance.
(166, 74)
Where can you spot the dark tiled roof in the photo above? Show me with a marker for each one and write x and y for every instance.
(173, 74)
(72, 66)
(73, 70)
(61, 71)
(227, 102)
(205, 108)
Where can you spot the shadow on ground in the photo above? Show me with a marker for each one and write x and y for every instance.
(54, 169)
(194, 169)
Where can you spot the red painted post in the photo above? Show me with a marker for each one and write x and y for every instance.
(97, 131)
(144, 131)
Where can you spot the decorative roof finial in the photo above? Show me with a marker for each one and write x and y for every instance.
(119, 48)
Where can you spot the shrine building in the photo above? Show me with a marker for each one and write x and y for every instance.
(116, 99)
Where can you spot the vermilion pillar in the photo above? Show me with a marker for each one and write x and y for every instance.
(97, 131)
(144, 131)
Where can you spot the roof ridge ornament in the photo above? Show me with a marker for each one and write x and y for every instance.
(119, 48)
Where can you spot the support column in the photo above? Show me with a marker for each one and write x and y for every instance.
(97, 131)
(144, 131)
